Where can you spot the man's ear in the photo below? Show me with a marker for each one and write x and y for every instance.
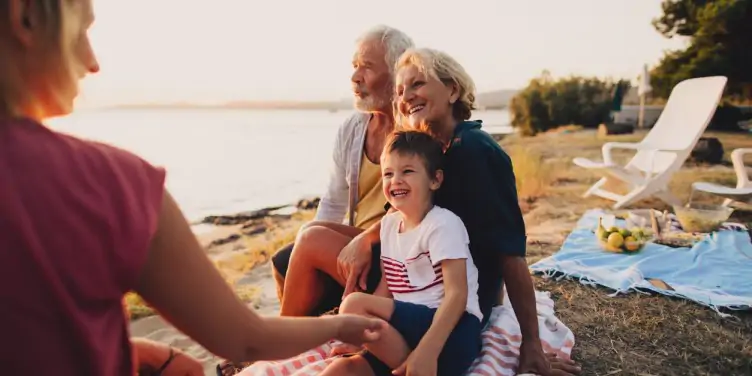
(21, 20)
(437, 180)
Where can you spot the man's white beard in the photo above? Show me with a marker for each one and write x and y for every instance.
(369, 104)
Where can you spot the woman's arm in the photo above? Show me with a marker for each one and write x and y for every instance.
(184, 286)
(450, 310)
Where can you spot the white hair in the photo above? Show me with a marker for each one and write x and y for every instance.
(395, 42)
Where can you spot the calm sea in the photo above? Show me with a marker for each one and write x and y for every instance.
(225, 161)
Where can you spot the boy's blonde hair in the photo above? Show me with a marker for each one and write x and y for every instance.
(56, 22)
(439, 65)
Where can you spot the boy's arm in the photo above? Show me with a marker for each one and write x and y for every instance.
(450, 310)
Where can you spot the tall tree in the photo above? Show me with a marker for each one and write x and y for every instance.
(720, 33)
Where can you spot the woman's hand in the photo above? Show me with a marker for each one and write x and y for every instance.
(357, 330)
(353, 264)
(418, 363)
(183, 365)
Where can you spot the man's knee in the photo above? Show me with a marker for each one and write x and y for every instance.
(355, 303)
(310, 245)
(281, 260)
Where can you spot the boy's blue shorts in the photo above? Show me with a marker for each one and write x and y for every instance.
(412, 322)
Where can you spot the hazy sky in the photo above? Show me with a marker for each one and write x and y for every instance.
(174, 50)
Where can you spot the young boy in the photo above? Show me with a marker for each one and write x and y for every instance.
(434, 316)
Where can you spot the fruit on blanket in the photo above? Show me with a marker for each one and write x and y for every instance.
(631, 244)
(621, 240)
(637, 233)
(615, 239)
(601, 232)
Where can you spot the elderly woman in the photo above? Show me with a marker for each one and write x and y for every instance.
(435, 94)
(82, 223)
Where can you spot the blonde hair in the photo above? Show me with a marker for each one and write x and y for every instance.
(440, 66)
(25, 88)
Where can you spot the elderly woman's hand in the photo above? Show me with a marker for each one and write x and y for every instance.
(353, 264)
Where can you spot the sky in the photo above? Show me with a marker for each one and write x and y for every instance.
(223, 50)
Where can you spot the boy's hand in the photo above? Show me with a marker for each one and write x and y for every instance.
(344, 348)
(418, 363)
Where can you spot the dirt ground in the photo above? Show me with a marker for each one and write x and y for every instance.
(635, 334)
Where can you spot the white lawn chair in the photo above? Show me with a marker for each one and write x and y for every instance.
(743, 191)
(663, 151)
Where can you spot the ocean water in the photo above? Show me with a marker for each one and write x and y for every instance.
(222, 161)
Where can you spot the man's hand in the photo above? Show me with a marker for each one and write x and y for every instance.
(534, 361)
(357, 330)
(353, 264)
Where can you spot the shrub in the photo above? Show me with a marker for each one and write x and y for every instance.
(546, 104)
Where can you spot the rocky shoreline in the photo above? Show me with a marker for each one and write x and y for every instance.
(231, 228)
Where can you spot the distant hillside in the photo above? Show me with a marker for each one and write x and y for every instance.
(491, 100)
(496, 99)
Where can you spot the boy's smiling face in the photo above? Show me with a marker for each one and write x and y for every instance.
(406, 182)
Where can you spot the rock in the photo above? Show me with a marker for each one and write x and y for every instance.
(240, 218)
(226, 240)
(615, 128)
(308, 203)
(257, 229)
(708, 150)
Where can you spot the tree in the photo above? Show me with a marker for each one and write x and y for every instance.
(547, 103)
(720, 32)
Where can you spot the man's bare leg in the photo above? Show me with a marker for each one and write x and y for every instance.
(349, 231)
(315, 252)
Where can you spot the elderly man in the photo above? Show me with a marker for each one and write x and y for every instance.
(354, 191)
(330, 259)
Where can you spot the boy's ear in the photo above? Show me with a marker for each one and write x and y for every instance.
(437, 180)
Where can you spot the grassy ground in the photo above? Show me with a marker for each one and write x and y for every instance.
(634, 334)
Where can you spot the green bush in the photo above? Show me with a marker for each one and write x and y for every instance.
(546, 104)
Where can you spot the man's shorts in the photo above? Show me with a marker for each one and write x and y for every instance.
(332, 289)
(412, 321)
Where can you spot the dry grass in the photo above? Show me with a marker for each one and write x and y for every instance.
(634, 334)
(532, 173)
